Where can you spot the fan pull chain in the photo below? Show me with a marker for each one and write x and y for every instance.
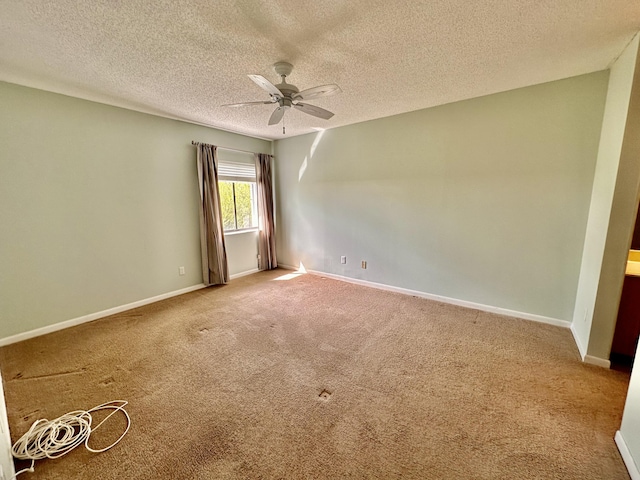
(283, 125)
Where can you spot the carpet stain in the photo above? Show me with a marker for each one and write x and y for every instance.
(28, 416)
(48, 375)
(107, 381)
(325, 395)
(368, 434)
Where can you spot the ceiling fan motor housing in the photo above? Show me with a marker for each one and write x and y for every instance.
(285, 102)
(288, 91)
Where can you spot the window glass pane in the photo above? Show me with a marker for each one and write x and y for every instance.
(226, 201)
(244, 210)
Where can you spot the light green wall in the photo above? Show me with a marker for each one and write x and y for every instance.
(242, 252)
(484, 200)
(610, 220)
(98, 206)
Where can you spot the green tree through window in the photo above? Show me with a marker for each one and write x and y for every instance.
(238, 201)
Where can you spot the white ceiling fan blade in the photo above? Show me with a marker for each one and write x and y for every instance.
(246, 104)
(266, 85)
(315, 92)
(276, 116)
(313, 110)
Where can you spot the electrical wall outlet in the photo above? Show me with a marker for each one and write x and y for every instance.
(181, 270)
(343, 260)
(364, 264)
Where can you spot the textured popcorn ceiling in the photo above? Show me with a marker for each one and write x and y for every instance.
(185, 58)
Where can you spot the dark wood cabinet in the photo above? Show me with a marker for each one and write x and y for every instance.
(625, 339)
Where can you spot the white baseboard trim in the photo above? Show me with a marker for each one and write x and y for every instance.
(94, 316)
(597, 361)
(586, 358)
(243, 274)
(634, 471)
(449, 300)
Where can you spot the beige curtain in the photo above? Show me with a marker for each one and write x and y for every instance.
(215, 270)
(267, 233)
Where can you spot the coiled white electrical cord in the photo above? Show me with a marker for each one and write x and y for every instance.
(55, 438)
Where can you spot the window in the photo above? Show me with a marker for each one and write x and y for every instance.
(238, 196)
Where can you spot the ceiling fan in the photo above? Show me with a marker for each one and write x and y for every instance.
(287, 95)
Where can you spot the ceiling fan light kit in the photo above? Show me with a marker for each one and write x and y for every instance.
(287, 95)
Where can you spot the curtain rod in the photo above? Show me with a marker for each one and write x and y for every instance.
(224, 148)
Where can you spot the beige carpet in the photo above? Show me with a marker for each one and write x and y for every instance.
(315, 378)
